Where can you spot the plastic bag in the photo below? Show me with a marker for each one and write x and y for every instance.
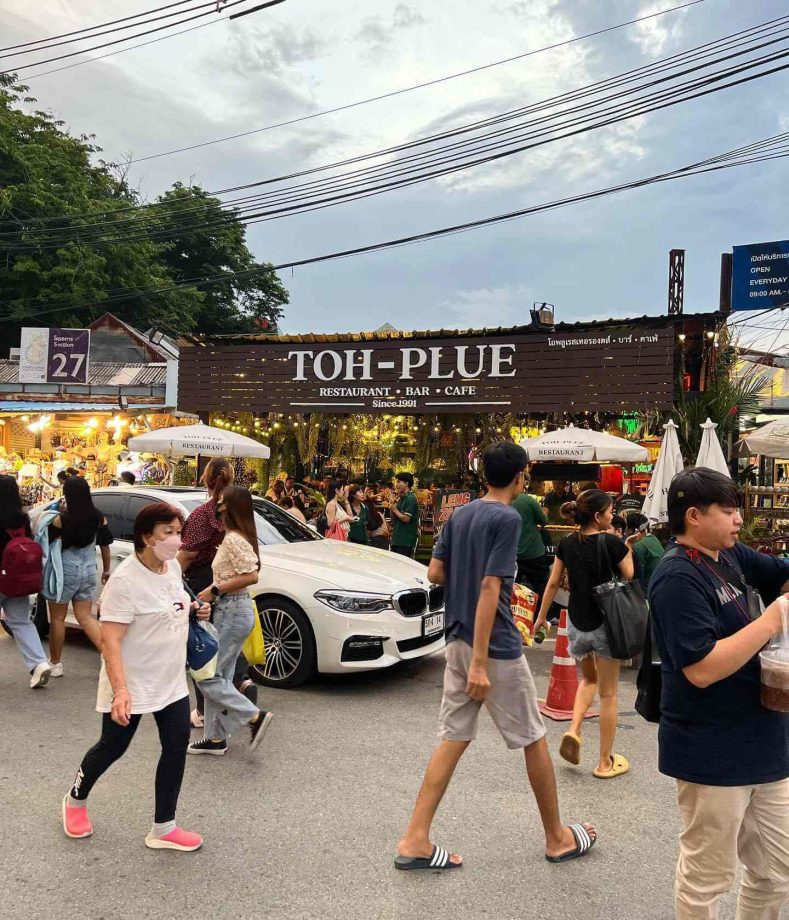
(524, 607)
(774, 661)
(254, 647)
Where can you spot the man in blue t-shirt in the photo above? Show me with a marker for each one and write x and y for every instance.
(475, 558)
(729, 754)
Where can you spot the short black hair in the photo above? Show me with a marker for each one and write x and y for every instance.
(407, 478)
(128, 476)
(618, 522)
(699, 488)
(635, 520)
(502, 462)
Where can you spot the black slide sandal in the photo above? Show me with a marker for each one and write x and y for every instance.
(584, 842)
(440, 859)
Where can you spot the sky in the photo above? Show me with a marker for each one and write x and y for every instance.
(594, 260)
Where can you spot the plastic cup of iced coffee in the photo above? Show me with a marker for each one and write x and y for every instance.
(775, 679)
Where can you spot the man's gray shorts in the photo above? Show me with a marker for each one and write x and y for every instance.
(511, 700)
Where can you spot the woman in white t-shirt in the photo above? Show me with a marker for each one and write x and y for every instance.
(235, 568)
(144, 627)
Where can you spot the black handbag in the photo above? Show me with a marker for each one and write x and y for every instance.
(649, 680)
(623, 608)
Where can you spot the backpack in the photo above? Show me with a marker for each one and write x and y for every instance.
(22, 565)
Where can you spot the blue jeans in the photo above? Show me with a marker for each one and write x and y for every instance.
(17, 615)
(225, 708)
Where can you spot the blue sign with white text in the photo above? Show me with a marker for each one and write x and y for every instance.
(760, 276)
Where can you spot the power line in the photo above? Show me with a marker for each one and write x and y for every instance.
(404, 176)
(117, 41)
(409, 89)
(749, 155)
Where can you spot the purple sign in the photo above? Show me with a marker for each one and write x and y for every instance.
(67, 361)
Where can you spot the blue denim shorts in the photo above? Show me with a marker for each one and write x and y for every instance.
(585, 643)
(79, 574)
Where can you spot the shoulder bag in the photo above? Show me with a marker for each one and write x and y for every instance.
(623, 608)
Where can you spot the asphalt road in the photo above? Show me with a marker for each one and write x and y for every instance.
(306, 828)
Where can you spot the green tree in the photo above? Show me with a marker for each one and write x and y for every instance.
(49, 270)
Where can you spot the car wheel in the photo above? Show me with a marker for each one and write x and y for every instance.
(290, 644)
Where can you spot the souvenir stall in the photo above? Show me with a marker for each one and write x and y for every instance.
(766, 505)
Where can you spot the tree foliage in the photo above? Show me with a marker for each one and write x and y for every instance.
(47, 174)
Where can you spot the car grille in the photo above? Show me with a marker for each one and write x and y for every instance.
(436, 597)
(411, 603)
(410, 645)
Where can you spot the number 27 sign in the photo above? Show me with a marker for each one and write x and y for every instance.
(54, 356)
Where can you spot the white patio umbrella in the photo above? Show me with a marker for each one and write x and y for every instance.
(772, 440)
(710, 452)
(194, 440)
(581, 445)
(669, 463)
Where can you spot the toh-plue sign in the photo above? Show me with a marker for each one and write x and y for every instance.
(620, 368)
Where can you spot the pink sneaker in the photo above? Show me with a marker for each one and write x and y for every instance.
(76, 822)
(177, 839)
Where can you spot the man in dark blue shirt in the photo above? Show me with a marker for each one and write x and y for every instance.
(475, 557)
(729, 754)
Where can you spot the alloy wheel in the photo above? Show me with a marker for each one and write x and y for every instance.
(284, 645)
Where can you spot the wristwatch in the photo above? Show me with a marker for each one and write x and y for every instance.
(215, 592)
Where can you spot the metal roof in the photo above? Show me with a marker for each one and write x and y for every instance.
(103, 373)
(41, 406)
(660, 321)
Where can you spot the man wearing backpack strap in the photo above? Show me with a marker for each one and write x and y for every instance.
(20, 576)
(728, 753)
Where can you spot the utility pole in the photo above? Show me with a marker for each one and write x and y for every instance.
(676, 281)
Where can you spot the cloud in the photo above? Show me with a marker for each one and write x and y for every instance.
(488, 306)
(657, 35)
(378, 33)
(273, 50)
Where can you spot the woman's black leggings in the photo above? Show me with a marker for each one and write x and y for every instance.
(174, 732)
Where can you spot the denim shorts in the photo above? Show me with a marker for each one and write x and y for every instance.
(585, 643)
(79, 574)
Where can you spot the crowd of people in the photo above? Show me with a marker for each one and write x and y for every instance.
(727, 751)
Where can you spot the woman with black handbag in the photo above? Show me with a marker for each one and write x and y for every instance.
(587, 568)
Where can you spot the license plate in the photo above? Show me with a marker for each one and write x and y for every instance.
(433, 624)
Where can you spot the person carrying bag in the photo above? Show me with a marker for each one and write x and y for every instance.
(623, 608)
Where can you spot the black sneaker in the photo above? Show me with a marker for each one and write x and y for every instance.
(258, 728)
(207, 746)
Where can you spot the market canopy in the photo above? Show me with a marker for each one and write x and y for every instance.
(582, 445)
(770, 441)
(191, 440)
(669, 463)
(710, 450)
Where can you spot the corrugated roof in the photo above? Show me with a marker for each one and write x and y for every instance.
(383, 336)
(103, 373)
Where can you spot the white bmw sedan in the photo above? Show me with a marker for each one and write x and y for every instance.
(325, 606)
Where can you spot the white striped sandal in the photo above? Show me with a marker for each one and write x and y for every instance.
(440, 859)
(585, 839)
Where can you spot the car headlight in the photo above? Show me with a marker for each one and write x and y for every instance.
(355, 601)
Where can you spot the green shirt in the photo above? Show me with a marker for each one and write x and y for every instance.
(647, 553)
(531, 545)
(406, 534)
(358, 531)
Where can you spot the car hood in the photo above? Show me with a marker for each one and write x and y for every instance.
(348, 565)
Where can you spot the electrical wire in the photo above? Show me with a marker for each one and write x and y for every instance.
(117, 41)
(400, 176)
(749, 154)
(409, 89)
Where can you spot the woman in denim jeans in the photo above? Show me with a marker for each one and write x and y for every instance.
(80, 528)
(235, 568)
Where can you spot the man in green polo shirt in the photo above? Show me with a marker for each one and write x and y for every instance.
(533, 566)
(405, 516)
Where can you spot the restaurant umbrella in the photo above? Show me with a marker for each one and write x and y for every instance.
(771, 440)
(710, 450)
(669, 463)
(197, 440)
(582, 445)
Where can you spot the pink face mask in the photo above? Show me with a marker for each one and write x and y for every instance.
(167, 549)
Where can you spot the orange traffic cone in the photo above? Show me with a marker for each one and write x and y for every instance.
(564, 680)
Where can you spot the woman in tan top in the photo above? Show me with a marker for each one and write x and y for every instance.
(235, 568)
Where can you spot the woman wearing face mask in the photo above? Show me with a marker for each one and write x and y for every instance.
(358, 530)
(144, 624)
(235, 567)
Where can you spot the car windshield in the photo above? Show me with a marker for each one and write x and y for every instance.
(274, 526)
